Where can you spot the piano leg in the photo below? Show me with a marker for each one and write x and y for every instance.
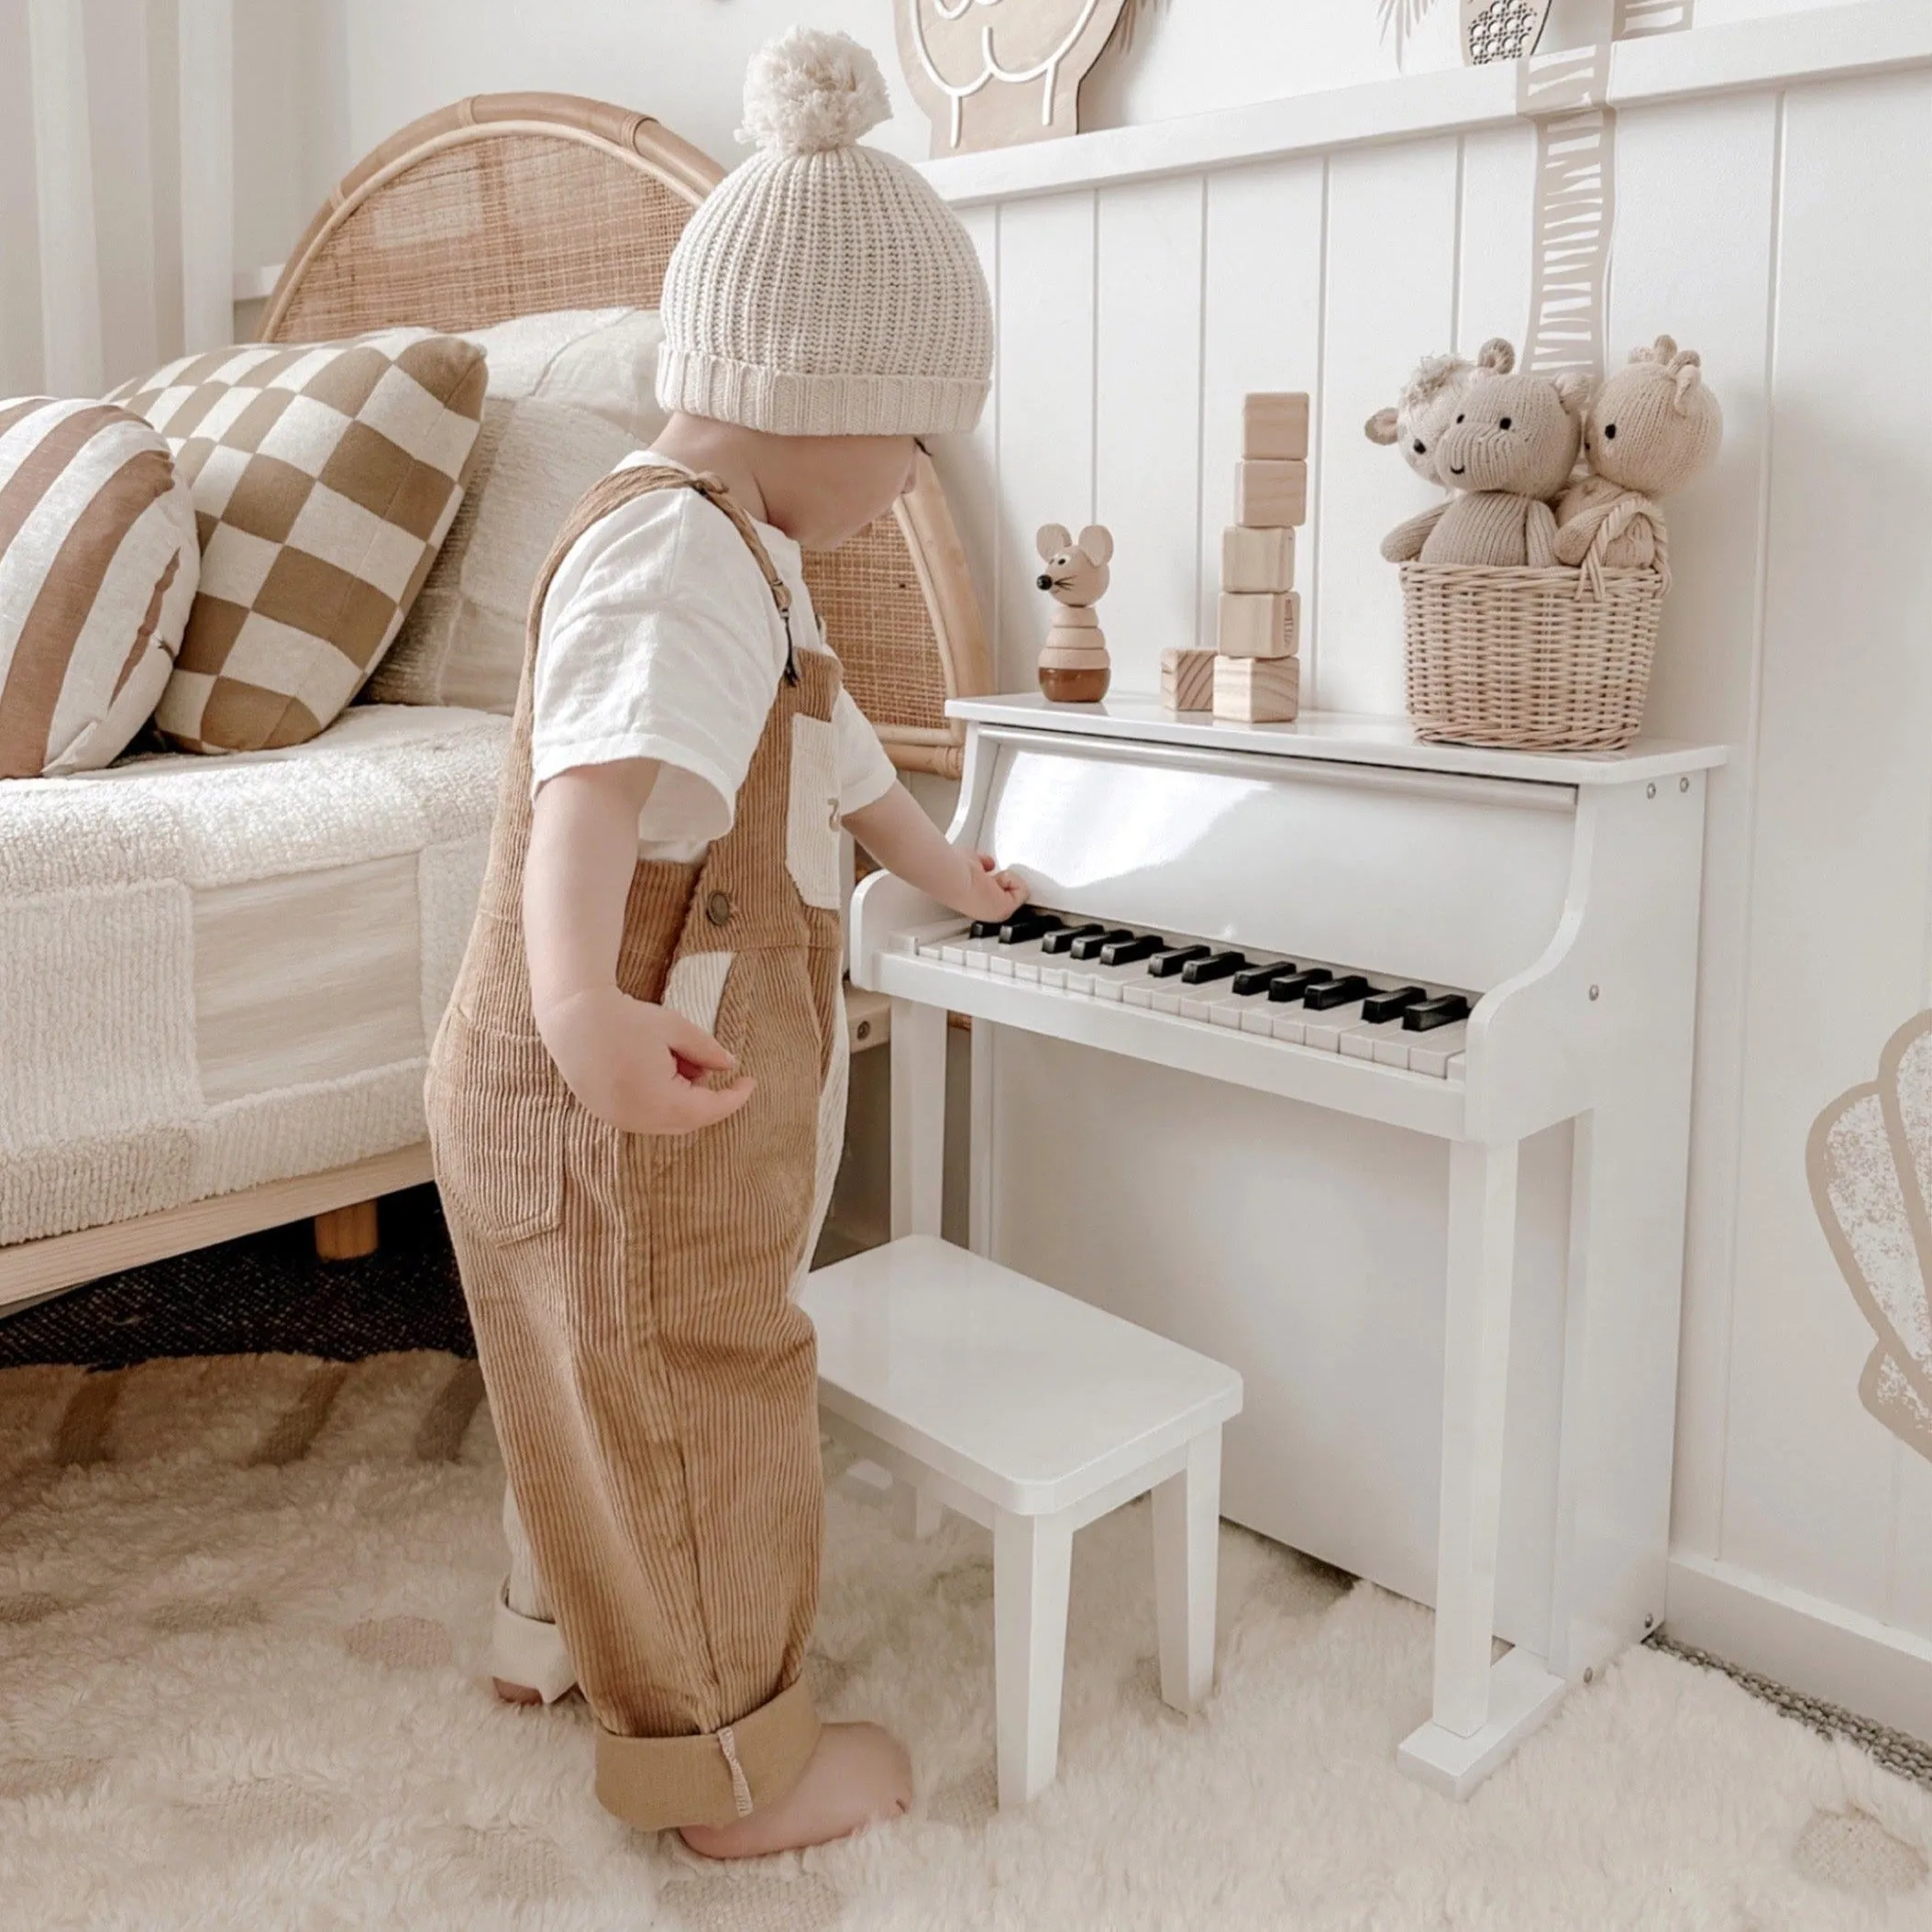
(980, 1143)
(1482, 1711)
(918, 1117)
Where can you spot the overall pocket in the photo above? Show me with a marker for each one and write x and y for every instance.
(495, 1105)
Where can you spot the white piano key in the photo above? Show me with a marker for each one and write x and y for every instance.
(1138, 992)
(1167, 996)
(1055, 977)
(1257, 1017)
(1080, 980)
(1431, 1052)
(1285, 1022)
(999, 963)
(1370, 1041)
(1458, 1067)
(1393, 1051)
(953, 953)
(1324, 1030)
(1197, 1005)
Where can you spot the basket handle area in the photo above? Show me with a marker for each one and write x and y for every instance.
(1623, 512)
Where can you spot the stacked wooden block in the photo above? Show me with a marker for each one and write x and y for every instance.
(1254, 675)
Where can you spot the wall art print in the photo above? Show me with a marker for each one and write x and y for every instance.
(990, 73)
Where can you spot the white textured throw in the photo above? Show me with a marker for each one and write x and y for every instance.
(220, 973)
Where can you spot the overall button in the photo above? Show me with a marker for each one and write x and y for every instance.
(717, 907)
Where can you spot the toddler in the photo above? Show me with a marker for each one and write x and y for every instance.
(636, 1097)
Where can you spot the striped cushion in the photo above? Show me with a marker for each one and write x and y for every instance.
(325, 479)
(98, 565)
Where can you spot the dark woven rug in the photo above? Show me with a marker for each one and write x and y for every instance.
(265, 1294)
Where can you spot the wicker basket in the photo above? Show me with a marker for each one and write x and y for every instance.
(1542, 660)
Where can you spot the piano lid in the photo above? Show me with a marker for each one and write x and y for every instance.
(1340, 737)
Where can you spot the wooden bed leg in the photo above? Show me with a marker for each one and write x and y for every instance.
(347, 1233)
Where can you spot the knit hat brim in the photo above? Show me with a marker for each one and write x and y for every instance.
(787, 403)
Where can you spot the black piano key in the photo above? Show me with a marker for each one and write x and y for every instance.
(1217, 965)
(1335, 992)
(1286, 986)
(1125, 952)
(1256, 979)
(1169, 960)
(1029, 924)
(1089, 948)
(1061, 939)
(985, 928)
(1433, 1013)
(1379, 1006)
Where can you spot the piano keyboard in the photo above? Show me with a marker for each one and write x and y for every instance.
(1319, 1004)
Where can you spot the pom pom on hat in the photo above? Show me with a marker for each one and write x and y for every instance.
(810, 90)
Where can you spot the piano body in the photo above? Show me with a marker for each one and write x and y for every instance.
(1467, 1398)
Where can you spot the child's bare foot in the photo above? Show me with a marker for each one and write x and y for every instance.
(516, 1693)
(860, 1774)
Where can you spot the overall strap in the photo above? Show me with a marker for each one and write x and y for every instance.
(622, 486)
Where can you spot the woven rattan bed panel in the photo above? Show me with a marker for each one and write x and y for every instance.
(510, 205)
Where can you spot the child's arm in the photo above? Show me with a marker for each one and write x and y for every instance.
(637, 1065)
(904, 840)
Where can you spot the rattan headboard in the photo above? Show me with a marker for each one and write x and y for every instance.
(511, 204)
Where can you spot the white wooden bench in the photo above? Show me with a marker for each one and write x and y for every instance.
(1034, 1414)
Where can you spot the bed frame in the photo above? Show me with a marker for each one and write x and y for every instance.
(509, 204)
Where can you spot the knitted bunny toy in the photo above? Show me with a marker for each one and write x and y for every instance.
(1508, 449)
(1654, 428)
(1429, 401)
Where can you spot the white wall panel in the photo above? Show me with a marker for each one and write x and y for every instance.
(1696, 238)
(1261, 319)
(1147, 418)
(1844, 812)
(1498, 201)
(1047, 406)
(968, 465)
(1390, 298)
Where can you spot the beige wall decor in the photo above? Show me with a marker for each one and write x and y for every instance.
(1869, 1164)
(1501, 29)
(990, 73)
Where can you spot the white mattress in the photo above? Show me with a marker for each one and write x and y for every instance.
(215, 972)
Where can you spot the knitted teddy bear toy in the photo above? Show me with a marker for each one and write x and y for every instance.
(1654, 428)
(1430, 399)
(1509, 449)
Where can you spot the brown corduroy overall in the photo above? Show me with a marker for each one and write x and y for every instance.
(653, 1381)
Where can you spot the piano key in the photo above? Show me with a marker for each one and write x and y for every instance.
(1256, 1019)
(1055, 977)
(1335, 992)
(1432, 1053)
(1392, 1004)
(1325, 1033)
(1214, 1005)
(1458, 1067)
(1089, 948)
(1217, 965)
(1360, 1041)
(1283, 1025)
(1125, 952)
(1292, 985)
(1062, 938)
(984, 929)
(1256, 978)
(1167, 963)
(1445, 1010)
(1167, 996)
(1028, 925)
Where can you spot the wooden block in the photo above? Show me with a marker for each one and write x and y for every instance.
(1268, 495)
(1187, 680)
(1257, 559)
(1275, 426)
(1260, 624)
(1257, 691)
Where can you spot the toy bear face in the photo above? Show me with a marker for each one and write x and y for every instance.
(1429, 402)
(1076, 571)
(1514, 433)
(1655, 427)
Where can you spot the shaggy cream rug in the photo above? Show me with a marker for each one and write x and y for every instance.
(242, 1618)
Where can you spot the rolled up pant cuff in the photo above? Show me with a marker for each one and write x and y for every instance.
(714, 1778)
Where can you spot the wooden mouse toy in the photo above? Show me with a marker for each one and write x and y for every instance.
(1074, 667)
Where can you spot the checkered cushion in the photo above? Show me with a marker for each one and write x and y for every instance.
(323, 479)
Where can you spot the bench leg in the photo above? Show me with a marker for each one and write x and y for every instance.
(1186, 1570)
(347, 1233)
(915, 1514)
(1032, 1558)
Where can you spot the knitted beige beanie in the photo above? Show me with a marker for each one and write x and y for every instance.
(823, 289)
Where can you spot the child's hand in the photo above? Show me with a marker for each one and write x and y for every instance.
(988, 893)
(639, 1066)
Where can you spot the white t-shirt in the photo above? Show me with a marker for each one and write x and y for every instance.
(659, 639)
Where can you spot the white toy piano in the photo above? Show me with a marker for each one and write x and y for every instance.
(1367, 1063)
